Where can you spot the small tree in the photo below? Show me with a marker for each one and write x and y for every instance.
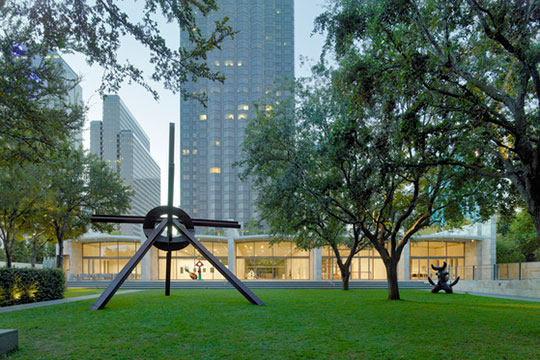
(81, 185)
(20, 189)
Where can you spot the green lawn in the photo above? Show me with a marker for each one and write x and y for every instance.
(294, 324)
(75, 292)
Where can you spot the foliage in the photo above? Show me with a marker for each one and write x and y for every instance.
(293, 324)
(283, 154)
(80, 185)
(518, 241)
(24, 251)
(21, 286)
(254, 227)
(21, 189)
(369, 168)
(475, 62)
(97, 30)
(35, 111)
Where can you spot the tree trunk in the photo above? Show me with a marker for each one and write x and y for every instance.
(8, 256)
(34, 251)
(60, 255)
(60, 231)
(345, 277)
(391, 276)
(528, 187)
(535, 213)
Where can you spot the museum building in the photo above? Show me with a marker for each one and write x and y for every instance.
(469, 252)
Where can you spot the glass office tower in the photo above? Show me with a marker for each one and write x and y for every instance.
(258, 61)
(120, 141)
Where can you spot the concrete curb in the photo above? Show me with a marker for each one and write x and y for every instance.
(56, 302)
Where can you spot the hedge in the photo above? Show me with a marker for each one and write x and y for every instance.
(27, 285)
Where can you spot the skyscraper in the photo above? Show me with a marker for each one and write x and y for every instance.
(120, 140)
(255, 63)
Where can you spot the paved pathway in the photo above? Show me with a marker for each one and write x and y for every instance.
(54, 302)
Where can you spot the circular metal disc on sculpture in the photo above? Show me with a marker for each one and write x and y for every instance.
(178, 242)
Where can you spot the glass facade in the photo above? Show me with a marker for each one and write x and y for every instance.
(423, 254)
(258, 260)
(184, 262)
(366, 265)
(120, 141)
(104, 260)
(258, 60)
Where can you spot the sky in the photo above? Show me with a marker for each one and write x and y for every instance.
(155, 116)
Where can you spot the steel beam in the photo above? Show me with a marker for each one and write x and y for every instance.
(240, 286)
(130, 219)
(128, 268)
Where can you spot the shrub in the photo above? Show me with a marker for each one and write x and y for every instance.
(21, 286)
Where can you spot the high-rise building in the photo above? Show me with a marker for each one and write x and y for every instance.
(120, 140)
(256, 62)
(75, 95)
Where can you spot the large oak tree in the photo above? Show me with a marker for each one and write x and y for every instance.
(475, 60)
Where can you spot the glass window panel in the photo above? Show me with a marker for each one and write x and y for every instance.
(299, 269)
(262, 249)
(283, 248)
(281, 272)
(187, 251)
(456, 249)
(379, 270)
(263, 268)
(366, 252)
(419, 248)
(327, 251)
(245, 249)
(91, 249)
(299, 252)
(220, 249)
(241, 269)
(109, 266)
(162, 265)
(437, 248)
(109, 249)
(126, 249)
(365, 268)
(326, 269)
(355, 269)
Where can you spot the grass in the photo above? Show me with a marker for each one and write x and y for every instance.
(294, 324)
(76, 292)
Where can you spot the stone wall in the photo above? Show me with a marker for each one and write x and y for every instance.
(523, 288)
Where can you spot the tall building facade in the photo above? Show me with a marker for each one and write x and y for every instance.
(75, 95)
(256, 62)
(120, 141)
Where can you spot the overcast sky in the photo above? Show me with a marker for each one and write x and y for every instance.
(154, 116)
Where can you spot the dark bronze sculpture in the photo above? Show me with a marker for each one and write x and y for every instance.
(154, 224)
(442, 283)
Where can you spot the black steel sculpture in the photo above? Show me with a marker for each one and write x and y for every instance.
(442, 283)
(154, 224)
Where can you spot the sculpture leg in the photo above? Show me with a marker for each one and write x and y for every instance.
(168, 274)
(243, 289)
(448, 289)
(128, 268)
